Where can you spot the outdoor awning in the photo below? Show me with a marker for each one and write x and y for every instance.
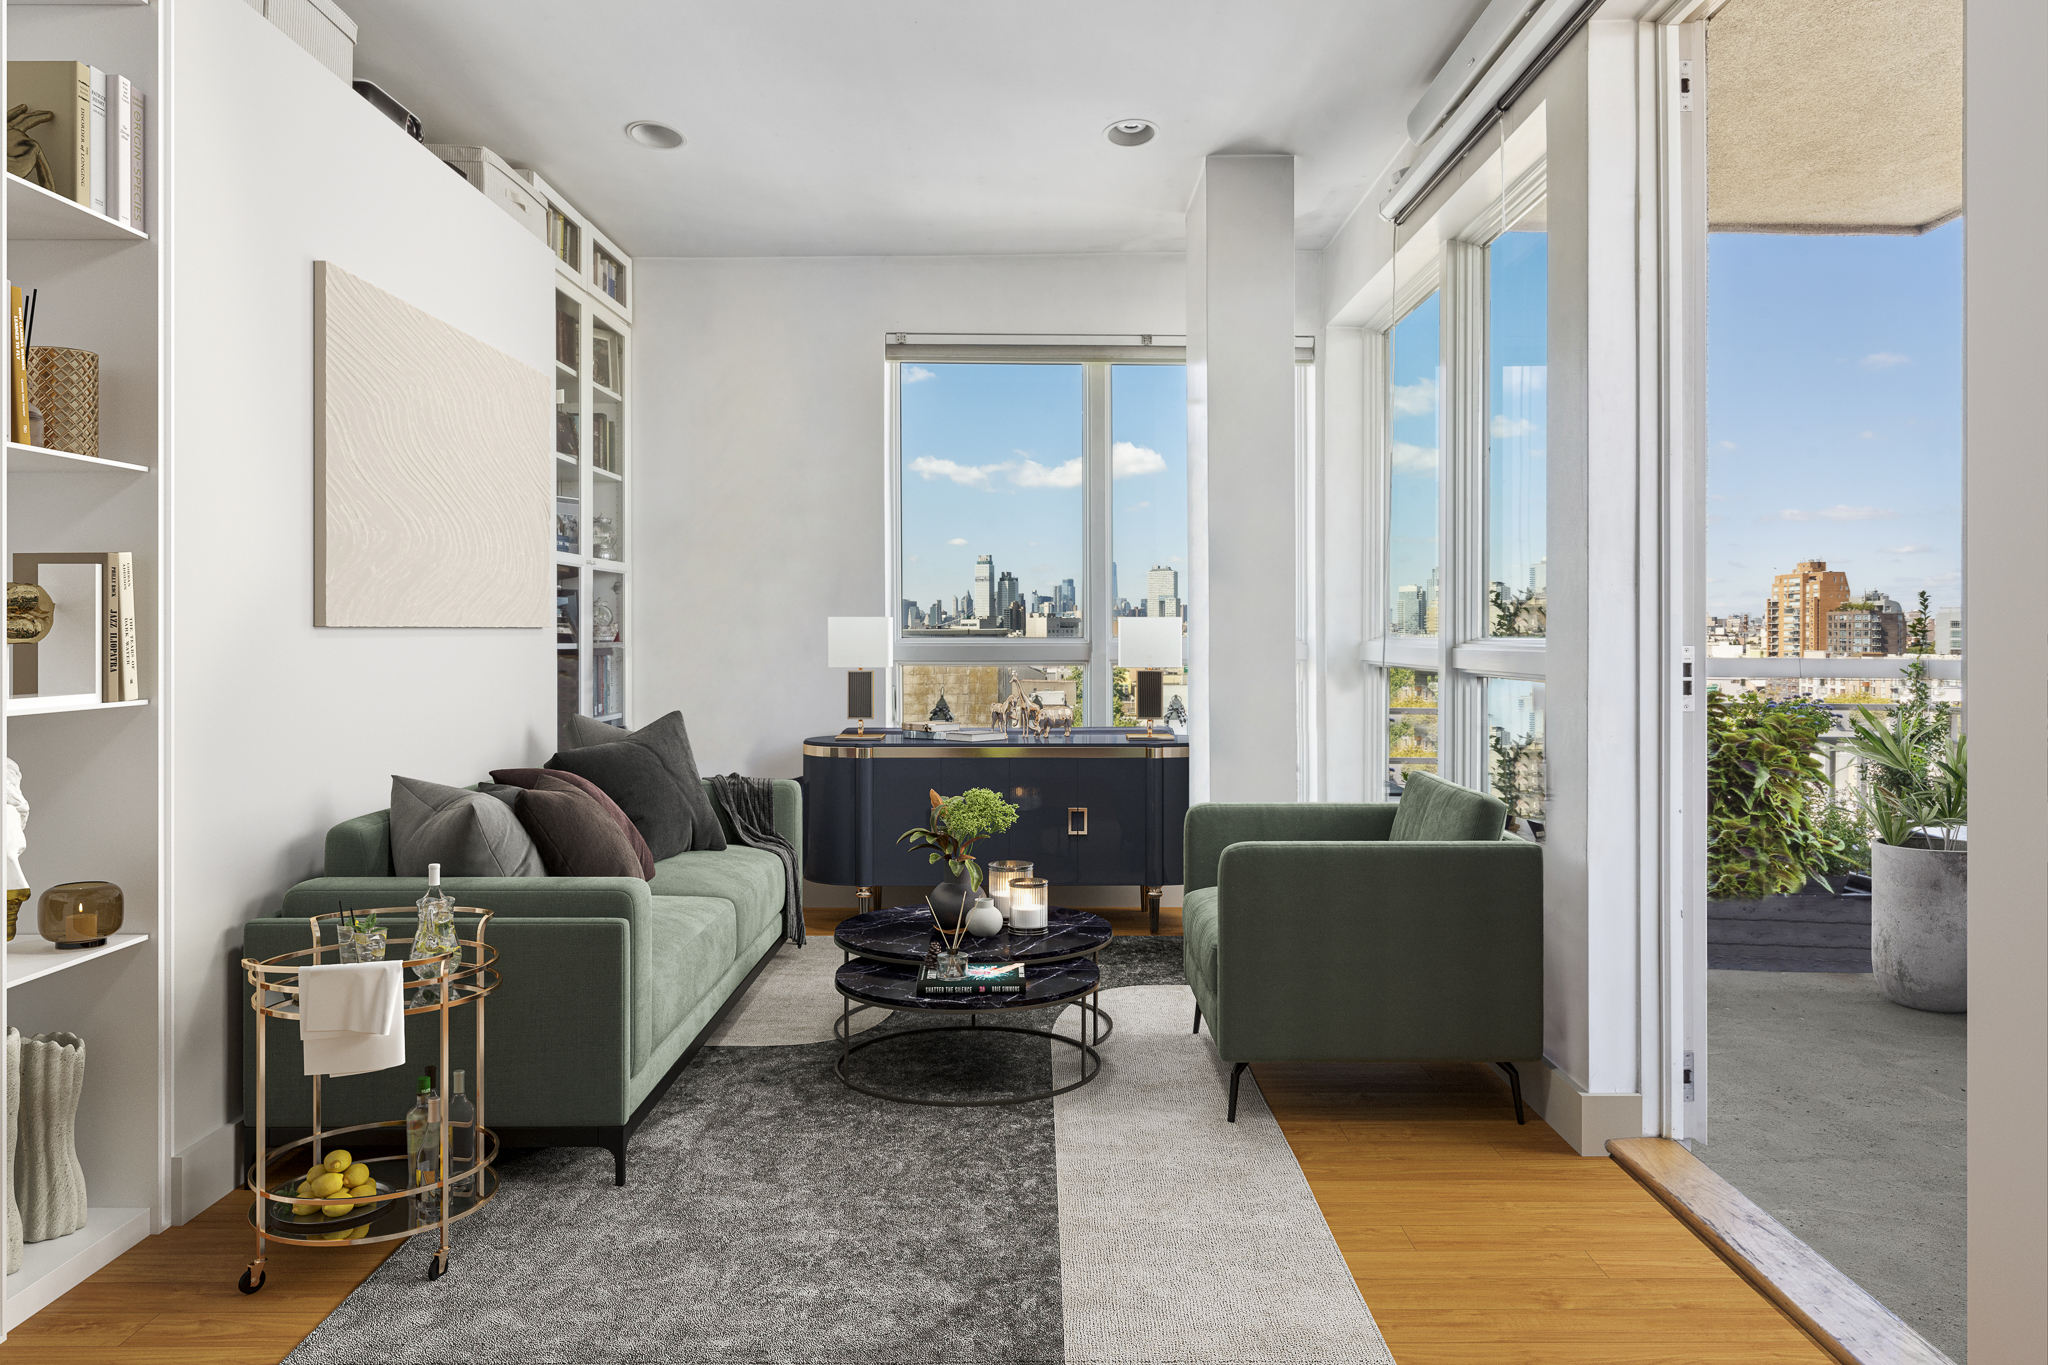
(1833, 117)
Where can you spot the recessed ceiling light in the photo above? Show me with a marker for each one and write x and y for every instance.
(657, 135)
(1130, 132)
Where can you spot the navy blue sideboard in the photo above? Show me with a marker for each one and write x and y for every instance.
(1094, 808)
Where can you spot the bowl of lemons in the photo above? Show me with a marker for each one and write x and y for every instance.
(326, 1198)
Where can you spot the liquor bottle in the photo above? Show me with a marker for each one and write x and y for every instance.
(461, 1136)
(423, 1149)
(434, 933)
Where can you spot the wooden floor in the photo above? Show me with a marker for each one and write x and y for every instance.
(1475, 1242)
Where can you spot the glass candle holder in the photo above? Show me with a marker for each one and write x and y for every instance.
(1029, 902)
(1000, 874)
(79, 914)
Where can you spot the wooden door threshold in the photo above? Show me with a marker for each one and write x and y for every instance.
(1830, 1307)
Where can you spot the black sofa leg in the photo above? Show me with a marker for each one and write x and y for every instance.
(1198, 1020)
(1235, 1072)
(615, 1143)
(1515, 1084)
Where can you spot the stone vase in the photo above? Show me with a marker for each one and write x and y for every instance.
(13, 1140)
(1919, 926)
(47, 1176)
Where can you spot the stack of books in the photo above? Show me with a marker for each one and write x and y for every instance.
(982, 978)
(79, 135)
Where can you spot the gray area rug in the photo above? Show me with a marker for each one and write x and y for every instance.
(776, 1216)
(1841, 1115)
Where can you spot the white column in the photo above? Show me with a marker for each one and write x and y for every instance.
(1241, 514)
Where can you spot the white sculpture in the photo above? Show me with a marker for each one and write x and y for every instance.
(14, 829)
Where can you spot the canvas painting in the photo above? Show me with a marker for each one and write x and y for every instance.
(433, 501)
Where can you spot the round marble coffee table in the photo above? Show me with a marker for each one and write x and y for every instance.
(884, 949)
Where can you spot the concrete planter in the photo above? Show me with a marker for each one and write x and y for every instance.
(1919, 926)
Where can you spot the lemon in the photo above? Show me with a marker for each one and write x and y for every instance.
(358, 1174)
(362, 1191)
(338, 1160)
(328, 1185)
(336, 1210)
(301, 1210)
(361, 1231)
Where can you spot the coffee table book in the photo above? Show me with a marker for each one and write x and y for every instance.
(983, 978)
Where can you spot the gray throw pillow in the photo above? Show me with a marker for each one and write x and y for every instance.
(468, 833)
(669, 738)
(637, 784)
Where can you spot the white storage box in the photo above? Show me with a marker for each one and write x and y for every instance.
(320, 27)
(500, 184)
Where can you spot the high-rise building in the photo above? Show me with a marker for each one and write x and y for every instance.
(937, 617)
(1066, 597)
(1946, 627)
(985, 603)
(1006, 592)
(913, 615)
(1867, 629)
(1162, 591)
(1408, 610)
(1539, 576)
(1796, 616)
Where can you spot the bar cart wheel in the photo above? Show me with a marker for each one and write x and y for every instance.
(437, 1267)
(249, 1287)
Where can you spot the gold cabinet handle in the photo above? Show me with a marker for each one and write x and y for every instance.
(1077, 819)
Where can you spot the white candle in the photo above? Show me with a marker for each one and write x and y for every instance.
(1028, 904)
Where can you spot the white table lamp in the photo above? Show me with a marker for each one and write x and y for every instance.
(1147, 644)
(858, 643)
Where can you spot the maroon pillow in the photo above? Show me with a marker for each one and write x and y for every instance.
(525, 777)
(575, 836)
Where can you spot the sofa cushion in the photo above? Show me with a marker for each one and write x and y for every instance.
(467, 833)
(637, 783)
(750, 878)
(669, 739)
(694, 945)
(1435, 811)
(1198, 929)
(575, 837)
(521, 779)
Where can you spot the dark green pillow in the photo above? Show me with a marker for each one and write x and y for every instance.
(668, 739)
(1435, 811)
(637, 784)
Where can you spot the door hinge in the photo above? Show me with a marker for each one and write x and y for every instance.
(1685, 87)
(1688, 1078)
(1686, 681)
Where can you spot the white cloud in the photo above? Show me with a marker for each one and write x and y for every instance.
(917, 374)
(1127, 461)
(1882, 360)
(1866, 435)
(1907, 549)
(1504, 426)
(1839, 512)
(966, 475)
(957, 540)
(1136, 505)
(1790, 514)
(1032, 474)
(1414, 459)
(1413, 400)
(1730, 445)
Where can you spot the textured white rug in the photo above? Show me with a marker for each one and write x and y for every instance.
(791, 1001)
(1185, 1238)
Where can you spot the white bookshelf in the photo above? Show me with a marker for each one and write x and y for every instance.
(92, 771)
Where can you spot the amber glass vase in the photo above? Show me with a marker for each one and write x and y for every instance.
(79, 914)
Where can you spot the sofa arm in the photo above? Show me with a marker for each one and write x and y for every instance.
(1214, 826)
(620, 898)
(789, 818)
(1389, 951)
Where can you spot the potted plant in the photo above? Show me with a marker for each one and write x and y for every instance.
(952, 829)
(1917, 803)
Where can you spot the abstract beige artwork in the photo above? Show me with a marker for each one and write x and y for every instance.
(431, 451)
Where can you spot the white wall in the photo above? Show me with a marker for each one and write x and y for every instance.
(2005, 503)
(279, 730)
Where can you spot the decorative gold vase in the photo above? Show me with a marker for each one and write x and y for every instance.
(65, 384)
(30, 613)
(15, 900)
(80, 914)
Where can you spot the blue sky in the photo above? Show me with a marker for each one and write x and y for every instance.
(1834, 413)
(1412, 487)
(992, 465)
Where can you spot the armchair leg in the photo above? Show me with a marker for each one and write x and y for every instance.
(1515, 1085)
(1198, 1020)
(1235, 1072)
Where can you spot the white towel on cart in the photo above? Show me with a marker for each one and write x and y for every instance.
(352, 1017)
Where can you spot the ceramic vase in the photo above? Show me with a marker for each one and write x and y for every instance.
(950, 901)
(13, 1141)
(47, 1176)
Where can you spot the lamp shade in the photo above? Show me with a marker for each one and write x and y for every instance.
(1148, 642)
(856, 642)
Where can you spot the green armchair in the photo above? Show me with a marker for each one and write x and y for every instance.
(1375, 932)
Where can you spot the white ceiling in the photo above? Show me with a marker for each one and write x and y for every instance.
(912, 127)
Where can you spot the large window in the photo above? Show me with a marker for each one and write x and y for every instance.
(1039, 501)
(1517, 346)
(1416, 408)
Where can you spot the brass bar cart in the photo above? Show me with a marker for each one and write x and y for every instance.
(399, 1210)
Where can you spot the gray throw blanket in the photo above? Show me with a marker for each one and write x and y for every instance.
(749, 803)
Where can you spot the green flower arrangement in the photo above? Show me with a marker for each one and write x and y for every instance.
(957, 824)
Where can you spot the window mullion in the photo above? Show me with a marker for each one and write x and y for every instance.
(1461, 533)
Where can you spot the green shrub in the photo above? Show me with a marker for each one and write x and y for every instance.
(1765, 780)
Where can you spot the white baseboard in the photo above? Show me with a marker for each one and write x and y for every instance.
(203, 1174)
(1586, 1121)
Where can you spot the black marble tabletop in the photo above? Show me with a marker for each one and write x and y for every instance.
(902, 934)
(895, 988)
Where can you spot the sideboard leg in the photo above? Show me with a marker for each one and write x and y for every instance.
(1153, 895)
(864, 898)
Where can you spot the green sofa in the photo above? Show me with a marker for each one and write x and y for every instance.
(1312, 935)
(610, 984)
